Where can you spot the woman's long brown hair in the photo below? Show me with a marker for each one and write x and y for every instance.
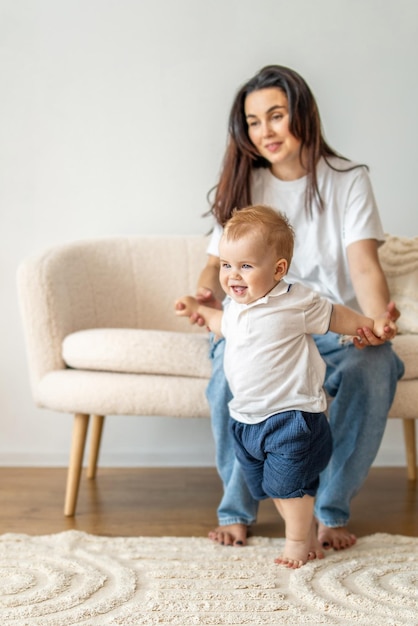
(241, 157)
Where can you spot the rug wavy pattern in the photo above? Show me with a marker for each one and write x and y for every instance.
(73, 578)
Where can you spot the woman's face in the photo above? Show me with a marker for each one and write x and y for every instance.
(267, 115)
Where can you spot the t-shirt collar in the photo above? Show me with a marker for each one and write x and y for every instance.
(281, 288)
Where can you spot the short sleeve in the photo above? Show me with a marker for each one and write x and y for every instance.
(213, 246)
(318, 315)
(361, 216)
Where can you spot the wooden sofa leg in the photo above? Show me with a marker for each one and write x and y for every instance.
(81, 423)
(410, 446)
(95, 439)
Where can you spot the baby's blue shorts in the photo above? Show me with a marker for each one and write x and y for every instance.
(283, 456)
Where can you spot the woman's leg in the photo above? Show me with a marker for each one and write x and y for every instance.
(362, 384)
(237, 509)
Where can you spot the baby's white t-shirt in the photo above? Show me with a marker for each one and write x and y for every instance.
(271, 362)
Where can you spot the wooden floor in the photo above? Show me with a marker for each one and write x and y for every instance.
(176, 502)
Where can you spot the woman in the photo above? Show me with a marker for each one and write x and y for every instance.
(277, 155)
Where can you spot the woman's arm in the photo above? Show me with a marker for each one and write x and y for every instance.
(209, 290)
(370, 287)
(209, 278)
(367, 276)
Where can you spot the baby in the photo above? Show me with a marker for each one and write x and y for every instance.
(275, 372)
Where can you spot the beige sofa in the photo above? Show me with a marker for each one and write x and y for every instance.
(102, 338)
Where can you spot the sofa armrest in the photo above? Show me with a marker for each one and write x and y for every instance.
(120, 282)
(69, 288)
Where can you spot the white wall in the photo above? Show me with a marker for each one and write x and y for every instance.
(113, 121)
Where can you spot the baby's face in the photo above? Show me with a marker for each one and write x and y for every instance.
(248, 269)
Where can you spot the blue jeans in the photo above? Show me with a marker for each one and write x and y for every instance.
(362, 384)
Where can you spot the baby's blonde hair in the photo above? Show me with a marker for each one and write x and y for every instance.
(271, 224)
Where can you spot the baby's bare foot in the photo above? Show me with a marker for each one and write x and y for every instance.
(231, 535)
(338, 538)
(295, 554)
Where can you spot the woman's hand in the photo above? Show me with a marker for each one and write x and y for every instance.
(366, 337)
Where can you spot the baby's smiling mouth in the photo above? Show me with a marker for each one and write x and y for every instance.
(238, 290)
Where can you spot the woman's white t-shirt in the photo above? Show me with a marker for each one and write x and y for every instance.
(350, 214)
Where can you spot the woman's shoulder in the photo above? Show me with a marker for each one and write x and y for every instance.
(338, 173)
(341, 166)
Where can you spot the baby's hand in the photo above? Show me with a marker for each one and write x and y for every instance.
(206, 297)
(186, 306)
(385, 328)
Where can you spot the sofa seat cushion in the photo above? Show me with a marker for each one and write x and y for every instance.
(114, 393)
(138, 351)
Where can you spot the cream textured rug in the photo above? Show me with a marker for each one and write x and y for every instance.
(73, 578)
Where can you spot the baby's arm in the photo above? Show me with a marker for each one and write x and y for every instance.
(187, 305)
(345, 321)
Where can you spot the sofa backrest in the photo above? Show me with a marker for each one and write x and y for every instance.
(399, 259)
(122, 282)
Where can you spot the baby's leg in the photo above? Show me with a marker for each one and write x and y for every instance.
(301, 540)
